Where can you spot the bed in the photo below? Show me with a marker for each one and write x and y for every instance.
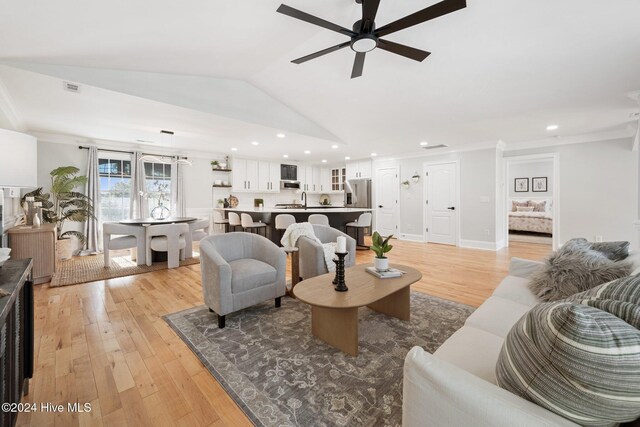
(532, 216)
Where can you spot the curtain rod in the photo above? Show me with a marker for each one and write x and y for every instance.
(82, 147)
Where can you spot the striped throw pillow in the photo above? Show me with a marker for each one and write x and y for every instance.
(575, 360)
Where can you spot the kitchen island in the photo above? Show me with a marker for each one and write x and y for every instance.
(338, 216)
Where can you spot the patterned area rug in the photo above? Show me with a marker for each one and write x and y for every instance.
(280, 375)
(83, 269)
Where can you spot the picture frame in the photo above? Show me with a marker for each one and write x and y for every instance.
(539, 184)
(521, 185)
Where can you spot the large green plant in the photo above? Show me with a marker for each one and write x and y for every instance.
(380, 245)
(64, 203)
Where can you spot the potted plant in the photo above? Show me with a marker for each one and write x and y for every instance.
(380, 246)
(220, 203)
(64, 204)
(215, 164)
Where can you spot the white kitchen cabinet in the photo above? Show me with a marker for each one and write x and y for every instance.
(325, 180)
(245, 175)
(359, 169)
(268, 177)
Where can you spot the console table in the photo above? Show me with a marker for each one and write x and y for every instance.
(16, 334)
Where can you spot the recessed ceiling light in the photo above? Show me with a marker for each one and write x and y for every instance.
(374, 154)
(281, 135)
(307, 152)
(424, 143)
(334, 146)
(347, 158)
(285, 156)
(255, 143)
(324, 161)
(234, 149)
(552, 127)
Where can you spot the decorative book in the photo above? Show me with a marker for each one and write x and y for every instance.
(388, 274)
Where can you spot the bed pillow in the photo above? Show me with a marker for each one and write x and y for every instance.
(538, 206)
(515, 204)
(574, 360)
(574, 268)
(524, 208)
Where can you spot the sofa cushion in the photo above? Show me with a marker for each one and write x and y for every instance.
(615, 251)
(516, 289)
(247, 274)
(575, 360)
(497, 315)
(473, 350)
(575, 268)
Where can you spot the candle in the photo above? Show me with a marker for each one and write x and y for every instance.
(341, 247)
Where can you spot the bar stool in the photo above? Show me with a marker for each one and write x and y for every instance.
(234, 221)
(363, 222)
(318, 219)
(282, 222)
(248, 224)
(219, 219)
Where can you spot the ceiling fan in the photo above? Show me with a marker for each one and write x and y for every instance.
(365, 36)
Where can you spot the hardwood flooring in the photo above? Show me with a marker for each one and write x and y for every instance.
(105, 342)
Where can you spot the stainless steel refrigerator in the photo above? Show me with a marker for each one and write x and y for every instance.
(358, 193)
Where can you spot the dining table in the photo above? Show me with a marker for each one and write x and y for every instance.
(145, 222)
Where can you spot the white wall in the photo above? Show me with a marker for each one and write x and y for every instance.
(598, 189)
(477, 195)
(531, 169)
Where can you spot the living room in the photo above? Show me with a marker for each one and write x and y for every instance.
(196, 209)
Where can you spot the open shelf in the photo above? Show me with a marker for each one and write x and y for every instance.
(220, 170)
(222, 186)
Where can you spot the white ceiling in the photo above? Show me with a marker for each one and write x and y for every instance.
(499, 70)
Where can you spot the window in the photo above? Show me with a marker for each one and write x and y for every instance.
(115, 189)
(157, 178)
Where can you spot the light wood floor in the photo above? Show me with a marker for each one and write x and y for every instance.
(105, 343)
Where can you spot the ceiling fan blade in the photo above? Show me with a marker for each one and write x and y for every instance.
(358, 65)
(369, 12)
(406, 51)
(303, 16)
(431, 12)
(321, 52)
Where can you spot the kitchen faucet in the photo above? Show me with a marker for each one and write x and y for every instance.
(304, 197)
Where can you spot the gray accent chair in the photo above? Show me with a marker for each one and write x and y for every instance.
(240, 270)
(312, 254)
(116, 236)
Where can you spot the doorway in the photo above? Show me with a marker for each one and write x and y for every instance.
(532, 199)
(442, 203)
(387, 195)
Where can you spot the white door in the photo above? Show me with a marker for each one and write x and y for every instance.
(442, 209)
(387, 194)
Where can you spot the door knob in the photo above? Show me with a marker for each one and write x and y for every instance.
(452, 208)
(379, 206)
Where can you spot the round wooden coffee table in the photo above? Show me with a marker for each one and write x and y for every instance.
(334, 315)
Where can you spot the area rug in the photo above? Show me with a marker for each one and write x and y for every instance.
(280, 375)
(83, 269)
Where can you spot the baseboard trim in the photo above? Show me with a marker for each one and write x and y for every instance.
(478, 244)
(411, 237)
(500, 244)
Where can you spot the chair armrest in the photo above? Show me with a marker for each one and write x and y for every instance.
(446, 395)
(216, 279)
(311, 258)
(524, 268)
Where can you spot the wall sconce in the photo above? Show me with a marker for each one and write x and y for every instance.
(416, 177)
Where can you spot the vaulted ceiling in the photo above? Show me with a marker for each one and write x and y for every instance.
(499, 70)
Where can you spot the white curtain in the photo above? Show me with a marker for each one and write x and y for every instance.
(138, 207)
(92, 244)
(177, 190)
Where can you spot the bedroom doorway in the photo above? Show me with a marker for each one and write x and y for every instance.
(532, 199)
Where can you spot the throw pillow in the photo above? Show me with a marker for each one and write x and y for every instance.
(515, 204)
(538, 206)
(574, 360)
(575, 268)
(619, 297)
(615, 251)
(524, 208)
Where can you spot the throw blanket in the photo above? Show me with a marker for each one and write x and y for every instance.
(295, 231)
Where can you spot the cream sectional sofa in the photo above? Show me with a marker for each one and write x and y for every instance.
(456, 386)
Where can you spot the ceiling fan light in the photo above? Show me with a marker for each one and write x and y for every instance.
(364, 43)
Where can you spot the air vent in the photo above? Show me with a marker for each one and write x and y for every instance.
(71, 87)
(432, 147)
